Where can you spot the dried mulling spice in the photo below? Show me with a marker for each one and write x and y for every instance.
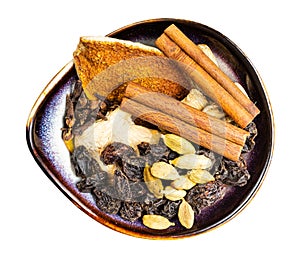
(205, 195)
(106, 202)
(163, 207)
(124, 192)
(81, 112)
(133, 167)
(156, 152)
(88, 169)
(250, 143)
(233, 173)
(131, 210)
(116, 153)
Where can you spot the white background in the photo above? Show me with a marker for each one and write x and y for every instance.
(39, 37)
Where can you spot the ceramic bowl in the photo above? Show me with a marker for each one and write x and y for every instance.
(45, 121)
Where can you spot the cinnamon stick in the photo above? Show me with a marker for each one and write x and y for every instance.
(201, 137)
(186, 113)
(211, 87)
(210, 67)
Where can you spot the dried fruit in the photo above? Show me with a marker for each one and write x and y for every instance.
(164, 170)
(154, 153)
(133, 167)
(163, 207)
(186, 214)
(233, 173)
(106, 202)
(122, 186)
(156, 222)
(250, 143)
(116, 152)
(131, 211)
(154, 185)
(192, 161)
(174, 194)
(178, 144)
(204, 195)
(183, 182)
(200, 176)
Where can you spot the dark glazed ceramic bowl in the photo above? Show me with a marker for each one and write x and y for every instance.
(43, 131)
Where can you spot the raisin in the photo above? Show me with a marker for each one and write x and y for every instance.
(106, 202)
(122, 186)
(83, 163)
(250, 143)
(163, 207)
(233, 173)
(204, 195)
(97, 180)
(115, 152)
(133, 167)
(131, 211)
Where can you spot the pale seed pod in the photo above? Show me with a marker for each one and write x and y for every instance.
(156, 222)
(164, 170)
(178, 144)
(153, 184)
(214, 110)
(208, 52)
(186, 214)
(183, 183)
(200, 176)
(192, 161)
(173, 194)
(241, 88)
(195, 99)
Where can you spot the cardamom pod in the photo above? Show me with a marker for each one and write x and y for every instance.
(174, 194)
(200, 176)
(164, 170)
(153, 184)
(214, 110)
(178, 144)
(208, 52)
(156, 221)
(186, 214)
(192, 161)
(183, 183)
(195, 99)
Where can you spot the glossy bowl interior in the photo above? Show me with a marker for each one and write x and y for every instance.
(43, 131)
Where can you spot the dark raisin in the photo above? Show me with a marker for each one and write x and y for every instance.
(144, 148)
(131, 211)
(163, 207)
(83, 163)
(154, 206)
(97, 180)
(133, 167)
(170, 209)
(122, 186)
(157, 153)
(106, 202)
(233, 173)
(115, 152)
(139, 191)
(204, 195)
(250, 143)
